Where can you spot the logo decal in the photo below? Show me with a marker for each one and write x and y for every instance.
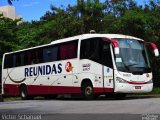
(108, 70)
(15, 81)
(127, 75)
(68, 67)
(43, 70)
(86, 67)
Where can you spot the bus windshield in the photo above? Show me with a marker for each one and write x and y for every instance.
(133, 57)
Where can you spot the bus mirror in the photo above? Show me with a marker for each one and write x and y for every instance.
(116, 50)
(116, 46)
(154, 47)
(156, 52)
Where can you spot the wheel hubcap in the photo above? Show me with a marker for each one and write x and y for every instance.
(88, 91)
(23, 94)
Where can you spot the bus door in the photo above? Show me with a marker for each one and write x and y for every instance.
(108, 80)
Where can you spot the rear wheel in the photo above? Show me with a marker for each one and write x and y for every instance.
(87, 91)
(23, 93)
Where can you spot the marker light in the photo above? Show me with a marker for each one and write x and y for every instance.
(154, 47)
(116, 46)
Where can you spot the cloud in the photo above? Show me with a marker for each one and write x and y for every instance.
(30, 4)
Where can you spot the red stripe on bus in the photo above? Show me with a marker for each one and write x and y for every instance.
(138, 83)
(103, 90)
(13, 90)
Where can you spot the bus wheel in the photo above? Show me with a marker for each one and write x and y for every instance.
(23, 92)
(87, 91)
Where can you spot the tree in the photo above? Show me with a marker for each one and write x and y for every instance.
(7, 38)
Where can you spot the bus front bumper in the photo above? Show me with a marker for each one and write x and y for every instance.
(133, 88)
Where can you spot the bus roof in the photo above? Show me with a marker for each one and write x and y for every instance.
(83, 36)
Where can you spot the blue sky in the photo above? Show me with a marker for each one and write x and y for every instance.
(34, 9)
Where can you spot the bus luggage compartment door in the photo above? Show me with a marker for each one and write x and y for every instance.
(108, 79)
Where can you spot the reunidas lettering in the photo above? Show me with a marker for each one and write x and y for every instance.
(43, 70)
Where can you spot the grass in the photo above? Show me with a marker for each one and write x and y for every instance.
(11, 98)
(155, 91)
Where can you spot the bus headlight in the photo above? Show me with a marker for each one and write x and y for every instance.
(120, 80)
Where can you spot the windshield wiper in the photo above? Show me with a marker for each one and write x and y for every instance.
(132, 65)
(126, 66)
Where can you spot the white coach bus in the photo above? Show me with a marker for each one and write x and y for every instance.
(88, 64)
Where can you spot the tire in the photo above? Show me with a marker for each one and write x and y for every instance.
(23, 93)
(87, 91)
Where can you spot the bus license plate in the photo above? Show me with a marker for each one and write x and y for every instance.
(138, 87)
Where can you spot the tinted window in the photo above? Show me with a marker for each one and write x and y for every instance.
(97, 50)
(8, 61)
(107, 57)
(91, 49)
(33, 56)
(17, 60)
(28, 56)
(68, 50)
(50, 53)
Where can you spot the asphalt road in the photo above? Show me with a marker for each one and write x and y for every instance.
(144, 108)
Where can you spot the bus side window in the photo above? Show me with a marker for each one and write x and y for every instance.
(22, 58)
(39, 55)
(91, 49)
(107, 57)
(14, 60)
(28, 59)
(68, 50)
(50, 53)
(8, 61)
(17, 59)
(35, 58)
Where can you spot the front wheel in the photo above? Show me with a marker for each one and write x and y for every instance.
(87, 91)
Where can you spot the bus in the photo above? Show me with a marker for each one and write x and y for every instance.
(87, 64)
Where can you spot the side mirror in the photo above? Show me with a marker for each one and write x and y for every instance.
(116, 46)
(156, 52)
(154, 47)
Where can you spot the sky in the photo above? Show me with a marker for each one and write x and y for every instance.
(34, 9)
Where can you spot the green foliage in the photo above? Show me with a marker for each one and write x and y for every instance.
(7, 36)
